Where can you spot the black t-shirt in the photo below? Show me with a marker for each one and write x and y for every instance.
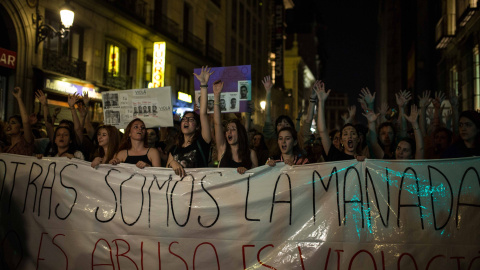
(335, 155)
(196, 155)
(459, 149)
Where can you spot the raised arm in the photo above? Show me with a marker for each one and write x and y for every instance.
(305, 129)
(46, 113)
(86, 118)
(203, 77)
(423, 103)
(437, 109)
(382, 110)
(368, 98)
(412, 118)
(321, 124)
(268, 128)
(217, 120)
(454, 99)
(372, 134)
(72, 99)
(349, 116)
(27, 129)
(403, 97)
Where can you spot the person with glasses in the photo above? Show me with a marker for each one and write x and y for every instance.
(192, 149)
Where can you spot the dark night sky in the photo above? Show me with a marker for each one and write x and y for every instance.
(350, 44)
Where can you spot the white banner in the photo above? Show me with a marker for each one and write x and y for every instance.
(152, 105)
(58, 213)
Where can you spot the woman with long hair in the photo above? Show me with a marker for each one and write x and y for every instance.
(193, 142)
(18, 130)
(290, 151)
(107, 141)
(232, 146)
(134, 149)
(64, 144)
(260, 147)
(349, 137)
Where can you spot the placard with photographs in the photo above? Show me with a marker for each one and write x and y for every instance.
(237, 82)
(152, 105)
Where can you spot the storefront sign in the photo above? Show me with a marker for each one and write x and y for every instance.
(184, 97)
(158, 72)
(71, 88)
(8, 58)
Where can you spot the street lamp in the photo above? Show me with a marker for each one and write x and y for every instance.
(263, 103)
(42, 30)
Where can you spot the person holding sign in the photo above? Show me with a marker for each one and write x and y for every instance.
(232, 146)
(133, 147)
(107, 142)
(193, 143)
(349, 135)
(291, 153)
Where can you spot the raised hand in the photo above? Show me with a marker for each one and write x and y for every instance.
(217, 87)
(204, 75)
(267, 83)
(363, 104)
(83, 111)
(454, 99)
(350, 114)
(72, 99)
(57, 111)
(403, 97)
(383, 108)
(412, 118)
(424, 100)
(17, 92)
(437, 101)
(41, 97)
(86, 99)
(313, 94)
(367, 96)
(321, 94)
(371, 116)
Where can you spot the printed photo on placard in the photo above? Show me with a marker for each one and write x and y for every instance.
(112, 117)
(244, 88)
(210, 103)
(110, 100)
(232, 101)
(197, 98)
(223, 102)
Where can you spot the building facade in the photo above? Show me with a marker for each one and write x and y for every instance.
(457, 39)
(109, 47)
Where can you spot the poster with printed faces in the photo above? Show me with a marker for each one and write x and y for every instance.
(152, 105)
(210, 102)
(237, 82)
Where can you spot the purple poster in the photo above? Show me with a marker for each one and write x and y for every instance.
(237, 88)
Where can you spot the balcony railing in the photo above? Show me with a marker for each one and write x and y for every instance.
(214, 54)
(117, 82)
(444, 31)
(135, 8)
(66, 65)
(193, 42)
(165, 25)
(467, 9)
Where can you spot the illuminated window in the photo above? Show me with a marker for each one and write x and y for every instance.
(476, 78)
(452, 19)
(113, 60)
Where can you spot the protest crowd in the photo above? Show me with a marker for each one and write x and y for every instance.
(407, 131)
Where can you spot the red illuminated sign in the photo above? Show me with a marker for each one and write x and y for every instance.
(8, 58)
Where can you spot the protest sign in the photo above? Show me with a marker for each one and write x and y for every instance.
(237, 88)
(152, 105)
(58, 213)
